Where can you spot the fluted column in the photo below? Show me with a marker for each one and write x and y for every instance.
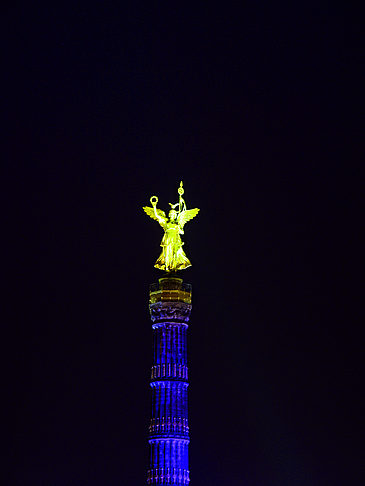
(170, 307)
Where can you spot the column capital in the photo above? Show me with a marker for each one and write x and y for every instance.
(170, 311)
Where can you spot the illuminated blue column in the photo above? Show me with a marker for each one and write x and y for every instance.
(170, 307)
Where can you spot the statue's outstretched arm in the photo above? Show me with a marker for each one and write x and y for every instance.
(154, 201)
(155, 213)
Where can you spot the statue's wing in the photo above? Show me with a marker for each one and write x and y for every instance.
(186, 216)
(151, 214)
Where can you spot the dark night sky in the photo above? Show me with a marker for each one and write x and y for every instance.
(252, 107)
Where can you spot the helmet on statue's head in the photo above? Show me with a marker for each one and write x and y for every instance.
(172, 214)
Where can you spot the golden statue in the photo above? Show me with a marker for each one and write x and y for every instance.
(172, 257)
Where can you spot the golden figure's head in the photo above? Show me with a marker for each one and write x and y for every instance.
(172, 215)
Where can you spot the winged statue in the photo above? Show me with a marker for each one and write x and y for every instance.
(172, 256)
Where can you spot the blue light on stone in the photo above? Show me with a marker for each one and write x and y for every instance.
(170, 307)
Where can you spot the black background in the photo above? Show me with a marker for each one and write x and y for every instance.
(254, 108)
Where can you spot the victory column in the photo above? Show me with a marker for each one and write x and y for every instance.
(170, 307)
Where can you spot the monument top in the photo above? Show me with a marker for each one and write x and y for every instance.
(172, 257)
